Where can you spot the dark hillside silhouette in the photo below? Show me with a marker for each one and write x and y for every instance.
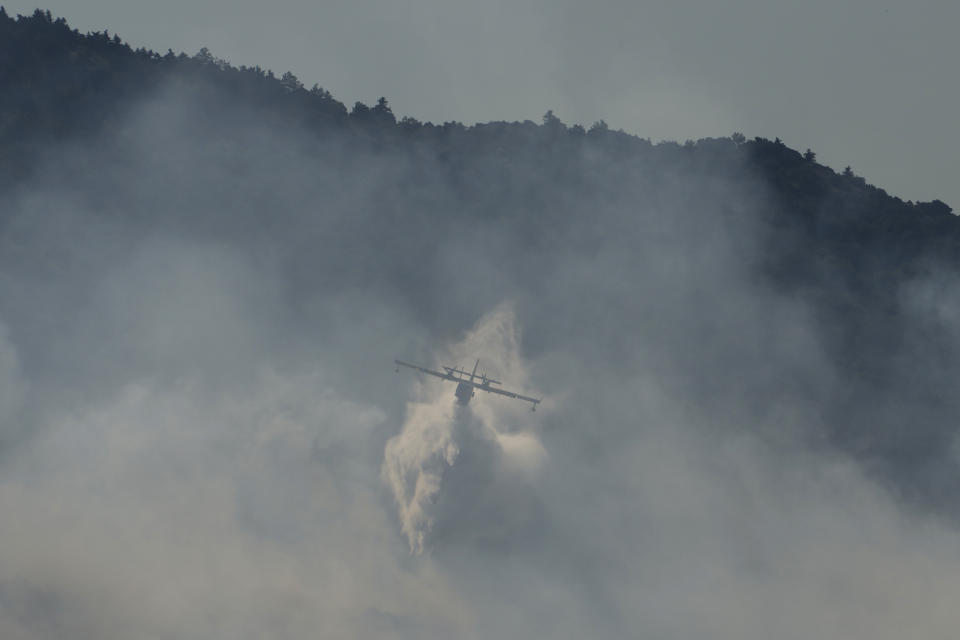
(845, 247)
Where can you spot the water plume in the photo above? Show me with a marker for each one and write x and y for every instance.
(452, 467)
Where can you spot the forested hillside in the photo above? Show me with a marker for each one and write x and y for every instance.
(746, 359)
(68, 122)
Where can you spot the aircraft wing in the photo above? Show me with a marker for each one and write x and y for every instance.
(445, 376)
(509, 394)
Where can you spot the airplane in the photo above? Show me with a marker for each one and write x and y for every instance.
(466, 387)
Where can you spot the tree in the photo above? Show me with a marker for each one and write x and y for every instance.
(360, 111)
(203, 56)
(809, 156)
(320, 92)
(290, 82)
(410, 124)
(550, 119)
(600, 126)
(382, 112)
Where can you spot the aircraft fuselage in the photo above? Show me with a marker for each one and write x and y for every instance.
(464, 392)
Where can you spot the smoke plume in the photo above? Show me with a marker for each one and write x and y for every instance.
(202, 435)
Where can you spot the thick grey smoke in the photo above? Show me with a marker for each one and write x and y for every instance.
(11, 383)
(203, 436)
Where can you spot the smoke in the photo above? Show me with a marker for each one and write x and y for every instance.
(12, 389)
(203, 435)
(449, 458)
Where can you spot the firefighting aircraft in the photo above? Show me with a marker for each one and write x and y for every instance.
(466, 386)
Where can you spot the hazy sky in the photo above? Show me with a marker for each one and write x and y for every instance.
(866, 83)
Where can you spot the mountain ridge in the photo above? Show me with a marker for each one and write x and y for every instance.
(191, 146)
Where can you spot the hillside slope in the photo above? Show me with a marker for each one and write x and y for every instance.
(617, 250)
